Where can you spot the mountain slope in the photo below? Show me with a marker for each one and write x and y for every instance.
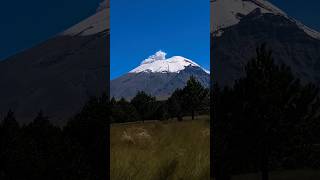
(58, 75)
(94, 24)
(158, 76)
(234, 44)
(226, 13)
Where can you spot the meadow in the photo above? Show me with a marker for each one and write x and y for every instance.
(161, 150)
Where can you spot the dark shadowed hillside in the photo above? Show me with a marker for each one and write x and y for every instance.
(236, 35)
(59, 75)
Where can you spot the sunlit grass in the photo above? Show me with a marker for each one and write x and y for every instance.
(161, 150)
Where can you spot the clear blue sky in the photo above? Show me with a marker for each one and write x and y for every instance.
(140, 28)
(178, 27)
(306, 11)
(24, 23)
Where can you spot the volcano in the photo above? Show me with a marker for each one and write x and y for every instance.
(158, 76)
(238, 27)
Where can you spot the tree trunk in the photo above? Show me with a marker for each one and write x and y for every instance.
(265, 175)
(264, 165)
(192, 114)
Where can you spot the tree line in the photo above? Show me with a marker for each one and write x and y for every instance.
(40, 150)
(191, 100)
(79, 150)
(268, 120)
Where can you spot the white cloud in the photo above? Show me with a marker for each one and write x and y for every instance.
(160, 55)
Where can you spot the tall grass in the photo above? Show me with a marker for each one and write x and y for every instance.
(161, 150)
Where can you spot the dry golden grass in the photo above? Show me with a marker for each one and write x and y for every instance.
(161, 150)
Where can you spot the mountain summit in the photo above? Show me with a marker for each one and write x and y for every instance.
(158, 76)
(226, 13)
(238, 27)
(159, 63)
(97, 23)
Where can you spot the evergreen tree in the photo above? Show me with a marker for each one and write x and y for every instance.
(268, 114)
(194, 95)
(43, 149)
(161, 112)
(88, 132)
(10, 126)
(10, 150)
(175, 103)
(123, 111)
(145, 105)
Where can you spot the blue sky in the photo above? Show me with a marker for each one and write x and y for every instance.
(140, 29)
(306, 11)
(25, 23)
(178, 27)
(137, 29)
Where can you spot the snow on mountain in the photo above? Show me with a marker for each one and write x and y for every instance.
(226, 13)
(158, 76)
(96, 23)
(159, 63)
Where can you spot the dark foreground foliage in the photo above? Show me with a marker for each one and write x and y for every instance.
(40, 150)
(268, 120)
(79, 150)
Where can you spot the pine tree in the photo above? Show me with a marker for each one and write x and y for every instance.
(194, 95)
(266, 113)
(10, 146)
(175, 104)
(144, 104)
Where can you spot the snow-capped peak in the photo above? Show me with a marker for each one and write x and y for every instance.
(159, 63)
(226, 13)
(99, 22)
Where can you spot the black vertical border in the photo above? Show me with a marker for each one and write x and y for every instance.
(108, 123)
(212, 112)
(107, 139)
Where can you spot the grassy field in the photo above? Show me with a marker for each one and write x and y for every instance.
(156, 150)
